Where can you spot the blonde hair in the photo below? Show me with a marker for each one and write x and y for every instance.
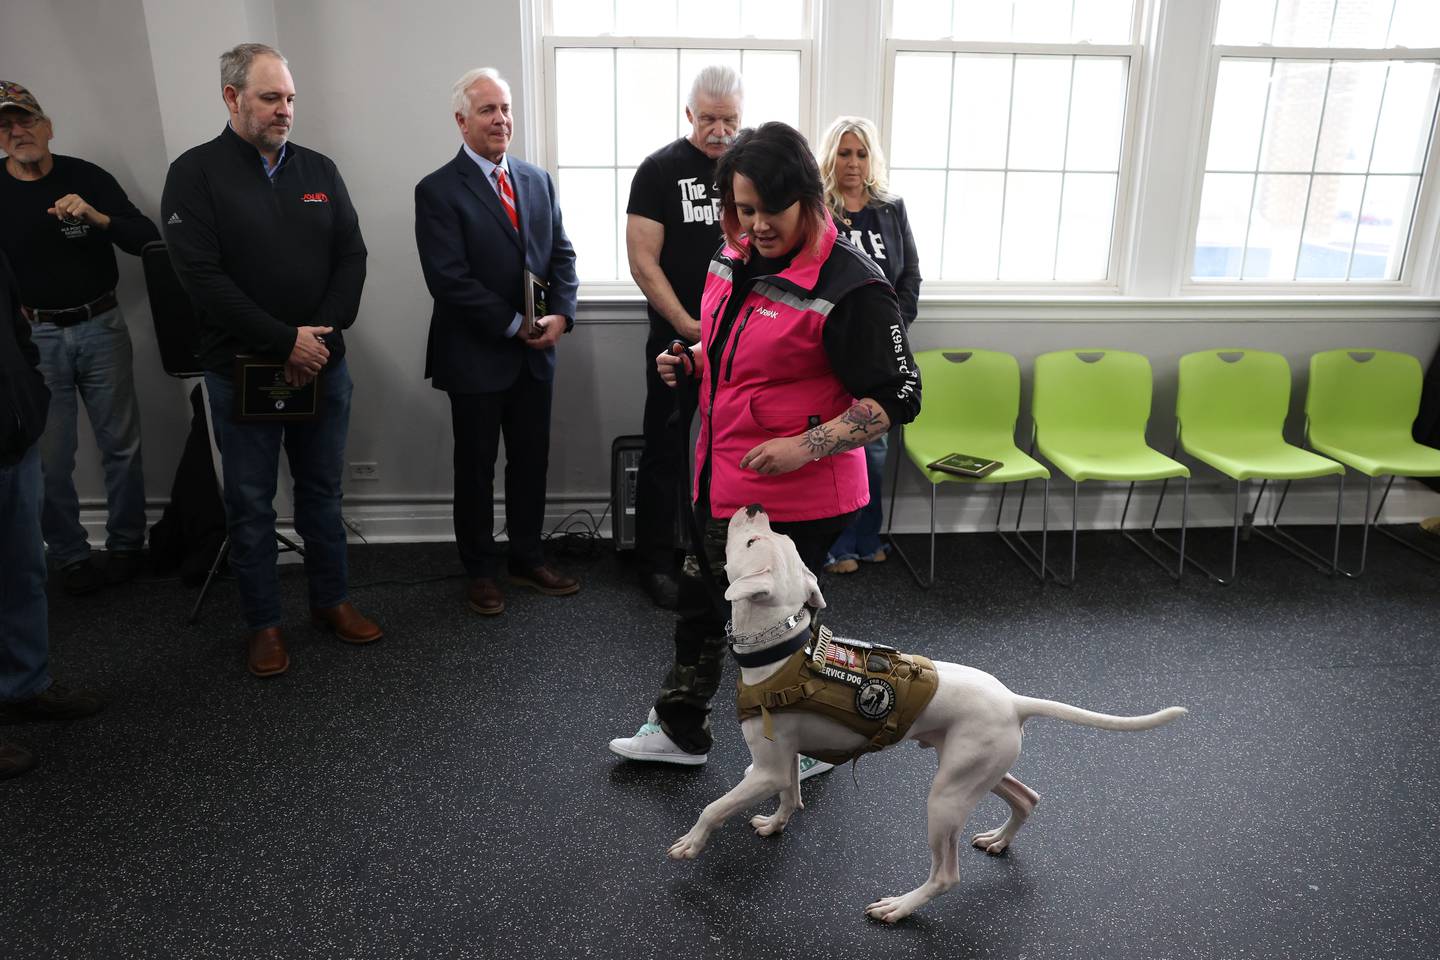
(878, 186)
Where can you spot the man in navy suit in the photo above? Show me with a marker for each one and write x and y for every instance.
(481, 221)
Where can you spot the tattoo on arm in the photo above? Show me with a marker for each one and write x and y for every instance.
(860, 419)
(817, 440)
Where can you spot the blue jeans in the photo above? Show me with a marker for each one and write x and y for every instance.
(250, 460)
(862, 537)
(24, 617)
(91, 359)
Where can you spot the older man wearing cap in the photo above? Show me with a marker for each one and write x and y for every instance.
(63, 218)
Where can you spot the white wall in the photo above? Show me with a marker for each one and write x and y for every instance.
(133, 83)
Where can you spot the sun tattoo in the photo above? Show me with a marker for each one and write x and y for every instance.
(817, 440)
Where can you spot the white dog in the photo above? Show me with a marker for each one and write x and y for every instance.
(973, 722)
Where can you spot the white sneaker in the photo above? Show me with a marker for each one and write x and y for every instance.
(809, 767)
(651, 743)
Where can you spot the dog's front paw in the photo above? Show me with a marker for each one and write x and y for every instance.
(767, 826)
(687, 847)
(892, 909)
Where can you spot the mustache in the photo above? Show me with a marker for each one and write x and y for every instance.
(726, 140)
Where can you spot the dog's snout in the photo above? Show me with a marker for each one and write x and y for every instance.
(753, 509)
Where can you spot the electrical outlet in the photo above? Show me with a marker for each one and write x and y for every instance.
(364, 471)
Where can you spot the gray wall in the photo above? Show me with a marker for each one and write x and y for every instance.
(133, 83)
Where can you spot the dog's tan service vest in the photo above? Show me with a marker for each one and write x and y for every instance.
(872, 689)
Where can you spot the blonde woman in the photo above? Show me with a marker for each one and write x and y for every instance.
(852, 168)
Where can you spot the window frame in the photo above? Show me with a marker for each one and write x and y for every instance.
(1126, 175)
(1417, 267)
(804, 45)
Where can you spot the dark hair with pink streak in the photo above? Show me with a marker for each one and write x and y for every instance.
(778, 161)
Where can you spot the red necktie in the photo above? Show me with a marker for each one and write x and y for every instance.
(507, 197)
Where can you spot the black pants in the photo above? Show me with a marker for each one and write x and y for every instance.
(521, 413)
(665, 460)
(700, 645)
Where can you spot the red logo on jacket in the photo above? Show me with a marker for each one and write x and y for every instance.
(314, 198)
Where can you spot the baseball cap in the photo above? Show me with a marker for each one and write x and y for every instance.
(14, 95)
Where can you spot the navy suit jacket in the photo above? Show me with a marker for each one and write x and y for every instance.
(474, 263)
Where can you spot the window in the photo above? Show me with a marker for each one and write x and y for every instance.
(618, 73)
(1007, 136)
(1319, 133)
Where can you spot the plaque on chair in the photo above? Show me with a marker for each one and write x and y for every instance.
(537, 305)
(262, 395)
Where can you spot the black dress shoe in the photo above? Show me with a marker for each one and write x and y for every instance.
(56, 703)
(81, 579)
(663, 589)
(121, 566)
(14, 760)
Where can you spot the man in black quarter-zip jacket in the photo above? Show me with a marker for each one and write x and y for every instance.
(265, 240)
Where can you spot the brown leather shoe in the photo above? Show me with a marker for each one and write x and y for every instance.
(267, 653)
(547, 581)
(347, 623)
(484, 596)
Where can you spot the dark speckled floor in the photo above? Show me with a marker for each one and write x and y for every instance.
(447, 792)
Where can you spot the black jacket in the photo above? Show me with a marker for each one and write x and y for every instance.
(24, 398)
(261, 257)
(901, 269)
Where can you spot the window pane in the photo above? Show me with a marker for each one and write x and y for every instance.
(980, 116)
(646, 101)
(1224, 212)
(981, 19)
(927, 19)
(1032, 220)
(1302, 23)
(623, 176)
(768, 18)
(1330, 228)
(588, 199)
(1038, 112)
(1097, 114)
(1235, 125)
(644, 17)
(915, 140)
(585, 106)
(1275, 223)
(1292, 120)
(581, 18)
(1384, 228)
(1086, 217)
(1103, 21)
(972, 226)
(1405, 117)
(713, 18)
(691, 63)
(1351, 107)
(1245, 22)
(1416, 23)
(923, 190)
(1361, 23)
(1042, 21)
(772, 86)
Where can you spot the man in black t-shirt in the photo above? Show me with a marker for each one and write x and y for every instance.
(63, 218)
(671, 232)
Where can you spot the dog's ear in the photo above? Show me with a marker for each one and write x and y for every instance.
(757, 584)
(812, 588)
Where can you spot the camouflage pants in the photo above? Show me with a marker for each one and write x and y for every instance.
(700, 648)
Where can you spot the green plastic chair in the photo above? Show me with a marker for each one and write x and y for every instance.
(1090, 409)
(1360, 409)
(1230, 414)
(972, 400)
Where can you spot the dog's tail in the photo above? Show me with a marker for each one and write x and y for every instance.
(1028, 707)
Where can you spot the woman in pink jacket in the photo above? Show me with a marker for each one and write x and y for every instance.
(802, 359)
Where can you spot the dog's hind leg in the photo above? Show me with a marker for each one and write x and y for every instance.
(951, 801)
(1022, 801)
